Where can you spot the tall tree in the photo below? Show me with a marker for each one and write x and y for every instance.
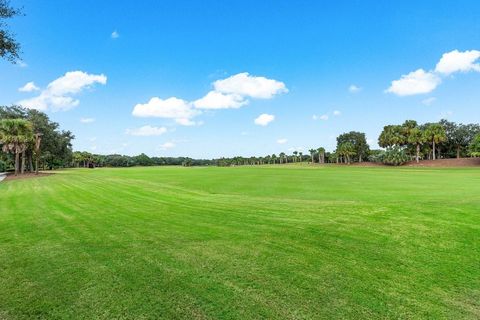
(416, 136)
(282, 156)
(435, 133)
(321, 155)
(15, 135)
(312, 155)
(9, 47)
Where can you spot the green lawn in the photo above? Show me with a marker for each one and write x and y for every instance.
(242, 243)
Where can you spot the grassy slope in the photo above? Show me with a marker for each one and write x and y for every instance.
(244, 243)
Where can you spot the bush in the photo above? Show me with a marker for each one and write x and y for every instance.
(395, 157)
(3, 166)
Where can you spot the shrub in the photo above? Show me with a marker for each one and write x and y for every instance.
(3, 166)
(395, 156)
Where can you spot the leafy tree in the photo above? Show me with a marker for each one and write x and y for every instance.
(358, 142)
(56, 145)
(9, 47)
(474, 147)
(459, 136)
(392, 135)
(435, 133)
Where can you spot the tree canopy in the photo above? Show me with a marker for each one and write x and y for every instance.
(9, 47)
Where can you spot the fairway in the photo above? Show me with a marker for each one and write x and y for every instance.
(272, 242)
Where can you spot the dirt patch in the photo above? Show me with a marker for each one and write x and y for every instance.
(11, 176)
(462, 162)
(368, 164)
(439, 163)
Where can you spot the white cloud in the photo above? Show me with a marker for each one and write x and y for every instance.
(229, 93)
(445, 114)
(87, 120)
(416, 82)
(171, 108)
(115, 35)
(146, 131)
(337, 113)
(299, 149)
(243, 84)
(264, 119)
(456, 61)
(29, 87)
(421, 81)
(22, 64)
(323, 117)
(354, 89)
(429, 101)
(282, 141)
(57, 95)
(218, 100)
(167, 145)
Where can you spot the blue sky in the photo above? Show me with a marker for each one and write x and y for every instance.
(293, 60)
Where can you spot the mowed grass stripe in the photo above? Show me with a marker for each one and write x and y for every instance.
(245, 243)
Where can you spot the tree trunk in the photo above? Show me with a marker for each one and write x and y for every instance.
(458, 152)
(17, 162)
(433, 154)
(22, 168)
(418, 153)
(30, 162)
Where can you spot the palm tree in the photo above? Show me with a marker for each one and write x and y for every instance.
(281, 157)
(295, 156)
(300, 155)
(435, 133)
(274, 157)
(312, 154)
(15, 135)
(346, 150)
(321, 155)
(416, 136)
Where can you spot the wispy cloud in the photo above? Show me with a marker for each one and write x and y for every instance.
(146, 131)
(87, 120)
(354, 88)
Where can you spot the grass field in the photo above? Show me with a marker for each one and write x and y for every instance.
(242, 243)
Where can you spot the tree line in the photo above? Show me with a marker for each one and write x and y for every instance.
(30, 141)
(83, 159)
(405, 142)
